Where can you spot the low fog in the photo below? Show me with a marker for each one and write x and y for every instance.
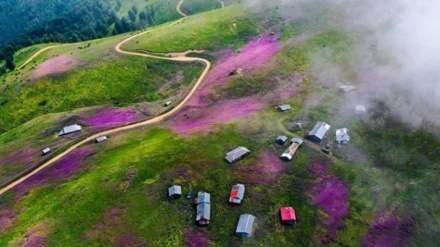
(396, 55)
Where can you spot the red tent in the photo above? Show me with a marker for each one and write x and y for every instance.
(288, 215)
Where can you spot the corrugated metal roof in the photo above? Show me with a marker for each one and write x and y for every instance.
(236, 154)
(70, 129)
(287, 213)
(175, 190)
(281, 139)
(245, 224)
(297, 140)
(101, 138)
(342, 135)
(320, 130)
(203, 197)
(237, 193)
(203, 211)
(284, 107)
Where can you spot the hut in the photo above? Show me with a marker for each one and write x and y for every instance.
(236, 154)
(342, 136)
(203, 211)
(237, 194)
(46, 151)
(360, 110)
(101, 139)
(281, 140)
(288, 215)
(290, 152)
(69, 129)
(175, 191)
(168, 103)
(283, 108)
(245, 226)
(318, 132)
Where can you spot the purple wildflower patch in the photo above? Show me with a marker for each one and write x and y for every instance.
(19, 157)
(111, 118)
(331, 195)
(7, 217)
(62, 169)
(251, 57)
(201, 119)
(130, 240)
(387, 230)
(264, 172)
(196, 238)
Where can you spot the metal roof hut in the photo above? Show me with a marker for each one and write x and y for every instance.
(290, 152)
(101, 139)
(236, 154)
(237, 194)
(283, 108)
(342, 136)
(288, 215)
(203, 213)
(175, 191)
(346, 88)
(318, 132)
(70, 129)
(46, 151)
(360, 110)
(245, 226)
(281, 140)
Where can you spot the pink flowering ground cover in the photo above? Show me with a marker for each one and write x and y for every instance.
(65, 168)
(23, 156)
(330, 194)
(387, 231)
(7, 217)
(266, 171)
(36, 237)
(56, 65)
(196, 238)
(201, 119)
(251, 57)
(110, 118)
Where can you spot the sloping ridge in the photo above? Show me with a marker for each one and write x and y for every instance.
(127, 127)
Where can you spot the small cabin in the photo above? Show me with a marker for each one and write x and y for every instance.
(175, 191)
(236, 154)
(101, 139)
(318, 132)
(168, 103)
(283, 108)
(290, 152)
(46, 151)
(281, 140)
(203, 208)
(342, 136)
(70, 129)
(288, 216)
(237, 194)
(245, 226)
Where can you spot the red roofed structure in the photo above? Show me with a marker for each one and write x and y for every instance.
(288, 215)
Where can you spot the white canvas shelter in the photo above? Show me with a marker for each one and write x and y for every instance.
(101, 139)
(70, 129)
(342, 136)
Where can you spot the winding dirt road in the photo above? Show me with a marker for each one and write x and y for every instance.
(179, 7)
(127, 127)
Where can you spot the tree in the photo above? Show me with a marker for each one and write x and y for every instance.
(10, 63)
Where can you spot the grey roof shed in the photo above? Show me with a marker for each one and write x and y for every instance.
(342, 136)
(70, 129)
(281, 140)
(284, 107)
(245, 226)
(203, 213)
(175, 191)
(236, 154)
(318, 132)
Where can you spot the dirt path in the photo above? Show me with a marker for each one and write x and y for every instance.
(128, 127)
(36, 55)
(222, 3)
(179, 9)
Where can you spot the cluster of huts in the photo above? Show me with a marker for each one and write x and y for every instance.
(247, 222)
(319, 132)
(69, 130)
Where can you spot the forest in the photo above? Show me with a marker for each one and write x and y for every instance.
(88, 20)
